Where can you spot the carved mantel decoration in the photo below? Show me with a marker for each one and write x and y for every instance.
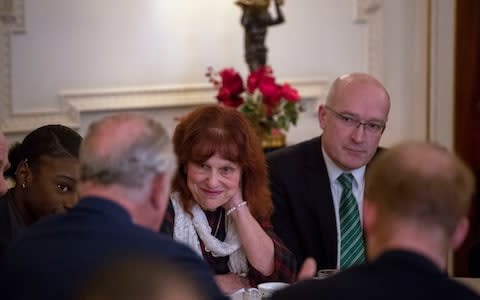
(370, 12)
(74, 103)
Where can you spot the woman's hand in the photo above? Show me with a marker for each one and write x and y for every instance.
(257, 245)
(236, 199)
(229, 283)
(308, 269)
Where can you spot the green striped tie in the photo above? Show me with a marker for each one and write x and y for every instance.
(352, 248)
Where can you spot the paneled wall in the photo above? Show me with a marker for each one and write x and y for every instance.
(74, 61)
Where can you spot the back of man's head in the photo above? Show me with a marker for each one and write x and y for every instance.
(125, 150)
(141, 278)
(421, 184)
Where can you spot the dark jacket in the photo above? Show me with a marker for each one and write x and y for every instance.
(394, 275)
(9, 229)
(56, 255)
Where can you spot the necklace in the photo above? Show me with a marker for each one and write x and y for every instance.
(218, 223)
(220, 217)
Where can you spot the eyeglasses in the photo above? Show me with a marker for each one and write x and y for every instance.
(351, 122)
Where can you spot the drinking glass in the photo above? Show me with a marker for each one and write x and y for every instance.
(324, 273)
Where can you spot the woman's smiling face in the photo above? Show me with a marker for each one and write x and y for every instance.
(213, 182)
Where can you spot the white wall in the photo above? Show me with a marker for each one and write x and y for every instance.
(76, 45)
(88, 45)
(402, 47)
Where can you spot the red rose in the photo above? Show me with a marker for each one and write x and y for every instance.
(258, 76)
(260, 83)
(232, 81)
(272, 93)
(265, 71)
(228, 98)
(252, 82)
(289, 93)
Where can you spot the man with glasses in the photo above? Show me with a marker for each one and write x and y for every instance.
(317, 185)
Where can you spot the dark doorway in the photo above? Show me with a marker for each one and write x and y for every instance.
(467, 110)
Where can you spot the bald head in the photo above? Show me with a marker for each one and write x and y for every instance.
(118, 131)
(125, 149)
(420, 182)
(4, 164)
(346, 81)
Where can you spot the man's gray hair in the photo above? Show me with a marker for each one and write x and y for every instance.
(130, 163)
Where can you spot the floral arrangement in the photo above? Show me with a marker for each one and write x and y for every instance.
(270, 107)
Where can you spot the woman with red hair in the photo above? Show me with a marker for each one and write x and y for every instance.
(220, 203)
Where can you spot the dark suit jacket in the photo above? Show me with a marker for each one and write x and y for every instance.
(474, 260)
(9, 230)
(304, 215)
(394, 275)
(55, 256)
(5, 224)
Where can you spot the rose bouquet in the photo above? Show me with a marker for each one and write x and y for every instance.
(270, 107)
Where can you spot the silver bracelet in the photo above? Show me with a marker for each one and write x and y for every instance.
(231, 210)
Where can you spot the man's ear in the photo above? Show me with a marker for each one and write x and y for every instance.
(369, 215)
(460, 233)
(160, 192)
(321, 114)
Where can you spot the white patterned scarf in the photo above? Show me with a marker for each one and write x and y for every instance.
(187, 230)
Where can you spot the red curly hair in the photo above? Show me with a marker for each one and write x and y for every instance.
(223, 130)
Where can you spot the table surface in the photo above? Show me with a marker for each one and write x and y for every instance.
(473, 283)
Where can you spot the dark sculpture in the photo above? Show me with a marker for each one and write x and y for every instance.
(256, 19)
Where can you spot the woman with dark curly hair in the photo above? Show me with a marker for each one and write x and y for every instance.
(221, 204)
(45, 169)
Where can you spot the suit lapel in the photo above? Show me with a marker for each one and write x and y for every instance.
(320, 203)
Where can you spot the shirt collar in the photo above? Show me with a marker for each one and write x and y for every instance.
(334, 171)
